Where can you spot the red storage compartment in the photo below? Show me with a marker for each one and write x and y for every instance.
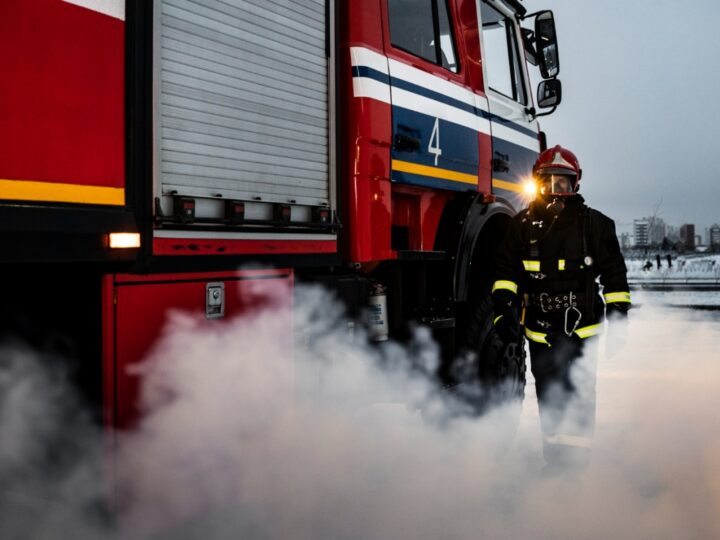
(136, 309)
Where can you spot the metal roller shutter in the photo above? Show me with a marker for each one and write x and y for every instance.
(242, 100)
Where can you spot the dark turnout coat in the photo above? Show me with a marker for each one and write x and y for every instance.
(553, 262)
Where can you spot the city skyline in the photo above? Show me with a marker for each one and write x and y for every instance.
(653, 231)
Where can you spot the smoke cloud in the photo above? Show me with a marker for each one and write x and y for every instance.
(241, 438)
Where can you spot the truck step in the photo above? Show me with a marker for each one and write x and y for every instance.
(438, 323)
(410, 255)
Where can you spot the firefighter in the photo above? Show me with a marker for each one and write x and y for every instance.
(546, 270)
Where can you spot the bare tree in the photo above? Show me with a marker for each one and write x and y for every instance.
(654, 218)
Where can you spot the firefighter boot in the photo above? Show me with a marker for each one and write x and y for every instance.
(565, 384)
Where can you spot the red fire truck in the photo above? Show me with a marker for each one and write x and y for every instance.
(151, 148)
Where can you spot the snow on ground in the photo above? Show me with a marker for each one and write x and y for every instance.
(685, 268)
(696, 299)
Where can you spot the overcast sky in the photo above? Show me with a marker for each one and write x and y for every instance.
(641, 92)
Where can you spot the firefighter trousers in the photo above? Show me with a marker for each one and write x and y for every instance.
(565, 375)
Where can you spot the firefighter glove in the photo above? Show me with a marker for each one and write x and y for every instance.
(617, 311)
(507, 326)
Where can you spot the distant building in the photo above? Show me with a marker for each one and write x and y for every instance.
(657, 231)
(672, 234)
(687, 235)
(641, 227)
(714, 235)
(649, 231)
(624, 239)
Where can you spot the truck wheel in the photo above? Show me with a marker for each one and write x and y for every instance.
(487, 372)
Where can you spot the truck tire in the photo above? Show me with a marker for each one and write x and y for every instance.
(487, 372)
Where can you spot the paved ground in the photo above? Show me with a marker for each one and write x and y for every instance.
(656, 466)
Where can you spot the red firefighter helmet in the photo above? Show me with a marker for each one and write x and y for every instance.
(558, 172)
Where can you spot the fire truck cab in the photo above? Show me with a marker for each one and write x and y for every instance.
(441, 138)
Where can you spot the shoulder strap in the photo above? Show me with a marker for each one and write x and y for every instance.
(526, 232)
(585, 214)
(533, 239)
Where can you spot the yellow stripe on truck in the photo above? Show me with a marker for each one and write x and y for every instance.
(30, 190)
(434, 172)
(508, 186)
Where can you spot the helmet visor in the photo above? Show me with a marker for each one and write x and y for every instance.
(556, 184)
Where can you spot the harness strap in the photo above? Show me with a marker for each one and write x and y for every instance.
(533, 241)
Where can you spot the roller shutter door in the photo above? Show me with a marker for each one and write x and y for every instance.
(242, 102)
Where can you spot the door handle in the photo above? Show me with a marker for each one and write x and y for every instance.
(405, 143)
(502, 163)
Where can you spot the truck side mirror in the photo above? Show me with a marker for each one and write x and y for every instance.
(546, 45)
(549, 93)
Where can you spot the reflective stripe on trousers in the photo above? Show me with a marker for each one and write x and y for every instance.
(569, 440)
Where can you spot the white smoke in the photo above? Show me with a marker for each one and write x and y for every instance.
(50, 453)
(242, 439)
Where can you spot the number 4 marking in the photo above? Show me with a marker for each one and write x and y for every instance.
(435, 138)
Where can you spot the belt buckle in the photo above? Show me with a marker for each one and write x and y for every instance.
(543, 296)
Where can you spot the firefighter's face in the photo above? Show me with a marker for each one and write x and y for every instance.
(556, 184)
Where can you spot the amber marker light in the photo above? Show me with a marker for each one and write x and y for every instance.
(123, 240)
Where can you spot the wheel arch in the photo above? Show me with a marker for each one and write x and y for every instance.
(472, 231)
